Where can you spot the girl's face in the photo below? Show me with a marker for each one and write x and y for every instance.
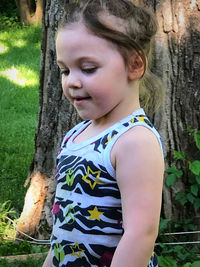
(94, 75)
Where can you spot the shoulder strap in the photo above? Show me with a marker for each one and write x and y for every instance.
(138, 120)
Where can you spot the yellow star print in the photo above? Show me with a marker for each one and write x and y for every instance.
(77, 253)
(95, 214)
(89, 181)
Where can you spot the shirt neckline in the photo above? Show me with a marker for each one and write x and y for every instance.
(84, 125)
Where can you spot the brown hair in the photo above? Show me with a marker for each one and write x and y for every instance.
(139, 27)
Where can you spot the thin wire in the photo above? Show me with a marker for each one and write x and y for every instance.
(47, 242)
(36, 240)
(179, 243)
(183, 233)
(32, 242)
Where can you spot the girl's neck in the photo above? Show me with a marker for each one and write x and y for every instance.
(115, 115)
(95, 128)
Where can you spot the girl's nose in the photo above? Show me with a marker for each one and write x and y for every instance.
(73, 81)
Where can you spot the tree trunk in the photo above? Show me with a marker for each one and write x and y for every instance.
(30, 11)
(176, 61)
(55, 117)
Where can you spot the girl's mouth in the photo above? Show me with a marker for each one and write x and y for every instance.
(80, 100)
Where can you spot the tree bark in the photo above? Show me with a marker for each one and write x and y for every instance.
(176, 59)
(55, 117)
(30, 11)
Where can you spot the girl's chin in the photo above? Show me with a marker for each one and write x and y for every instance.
(83, 116)
(86, 117)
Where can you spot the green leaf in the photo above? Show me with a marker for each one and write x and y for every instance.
(194, 189)
(197, 204)
(175, 171)
(166, 261)
(198, 179)
(172, 169)
(178, 248)
(36, 249)
(171, 178)
(163, 224)
(195, 167)
(191, 179)
(183, 200)
(190, 197)
(180, 195)
(179, 155)
(161, 245)
(188, 264)
(189, 129)
(195, 264)
(197, 139)
(179, 173)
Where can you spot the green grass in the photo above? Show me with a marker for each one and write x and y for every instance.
(19, 81)
(30, 262)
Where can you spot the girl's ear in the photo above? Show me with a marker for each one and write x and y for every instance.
(135, 67)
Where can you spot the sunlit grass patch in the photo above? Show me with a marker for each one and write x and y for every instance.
(21, 76)
(20, 43)
(19, 80)
(3, 48)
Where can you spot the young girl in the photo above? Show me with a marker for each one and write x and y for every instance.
(110, 166)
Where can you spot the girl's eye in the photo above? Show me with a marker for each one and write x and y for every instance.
(64, 72)
(89, 70)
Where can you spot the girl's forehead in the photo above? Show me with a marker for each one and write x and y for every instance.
(75, 42)
(77, 27)
(78, 35)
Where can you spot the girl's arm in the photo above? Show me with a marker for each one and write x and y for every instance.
(48, 261)
(139, 171)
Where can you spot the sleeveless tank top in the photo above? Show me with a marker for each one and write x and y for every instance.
(87, 212)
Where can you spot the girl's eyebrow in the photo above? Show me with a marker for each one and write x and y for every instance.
(88, 58)
(80, 60)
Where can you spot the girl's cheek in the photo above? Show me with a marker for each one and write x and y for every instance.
(64, 88)
(63, 81)
(66, 93)
(64, 85)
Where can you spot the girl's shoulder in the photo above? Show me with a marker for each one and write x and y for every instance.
(135, 143)
(141, 132)
(137, 129)
(139, 136)
(133, 137)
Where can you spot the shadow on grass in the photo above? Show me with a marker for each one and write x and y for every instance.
(18, 43)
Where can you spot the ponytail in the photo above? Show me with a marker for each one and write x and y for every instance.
(151, 92)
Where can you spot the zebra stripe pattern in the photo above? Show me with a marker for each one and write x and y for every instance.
(87, 213)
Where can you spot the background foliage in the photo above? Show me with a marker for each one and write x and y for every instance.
(8, 14)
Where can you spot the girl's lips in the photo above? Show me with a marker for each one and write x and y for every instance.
(81, 100)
